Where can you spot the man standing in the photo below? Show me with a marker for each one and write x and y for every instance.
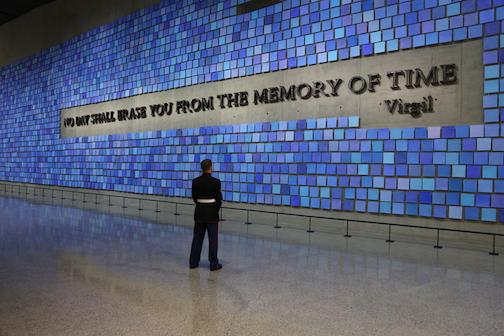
(206, 193)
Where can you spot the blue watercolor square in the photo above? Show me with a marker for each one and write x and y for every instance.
(488, 214)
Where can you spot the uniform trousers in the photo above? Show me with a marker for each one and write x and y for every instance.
(199, 235)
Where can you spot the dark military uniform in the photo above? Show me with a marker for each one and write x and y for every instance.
(206, 193)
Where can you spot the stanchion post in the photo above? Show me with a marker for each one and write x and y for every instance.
(124, 203)
(347, 234)
(248, 221)
(96, 199)
(176, 209)
(157, 206)
(437, 241)
(276, 224)
(222, 215)
(493, 252)
(140, 204)
(73, 198)
(109, 204)
(309, 226)
(84, 197)
(389, 240)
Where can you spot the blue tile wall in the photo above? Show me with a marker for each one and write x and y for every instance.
(452, 172)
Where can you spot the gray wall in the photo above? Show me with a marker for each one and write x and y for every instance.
(58, 21)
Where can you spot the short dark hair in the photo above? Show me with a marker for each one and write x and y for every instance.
(206, 165)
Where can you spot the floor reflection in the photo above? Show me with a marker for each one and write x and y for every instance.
(68, 271)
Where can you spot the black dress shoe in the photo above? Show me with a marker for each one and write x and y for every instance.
(193, 266)
(216, 267)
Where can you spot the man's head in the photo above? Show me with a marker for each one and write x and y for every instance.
(206, 166)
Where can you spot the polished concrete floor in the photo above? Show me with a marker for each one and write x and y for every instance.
(70, 271)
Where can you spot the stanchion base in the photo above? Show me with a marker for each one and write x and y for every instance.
(176, 214)
(158, 210)
(347, 236)
(493, 253)
(140, 209)
(222, 220)
(124, 207)
(389, 241)
(438, 246)
(310, 231)
(277, 227)
(84, 201)
(248, 223)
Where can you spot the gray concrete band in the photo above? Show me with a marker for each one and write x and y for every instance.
(455, 104)
(237, 212)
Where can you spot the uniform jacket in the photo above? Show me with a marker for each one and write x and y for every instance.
(207, 187)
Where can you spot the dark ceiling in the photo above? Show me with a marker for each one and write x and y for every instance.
(12, 9)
